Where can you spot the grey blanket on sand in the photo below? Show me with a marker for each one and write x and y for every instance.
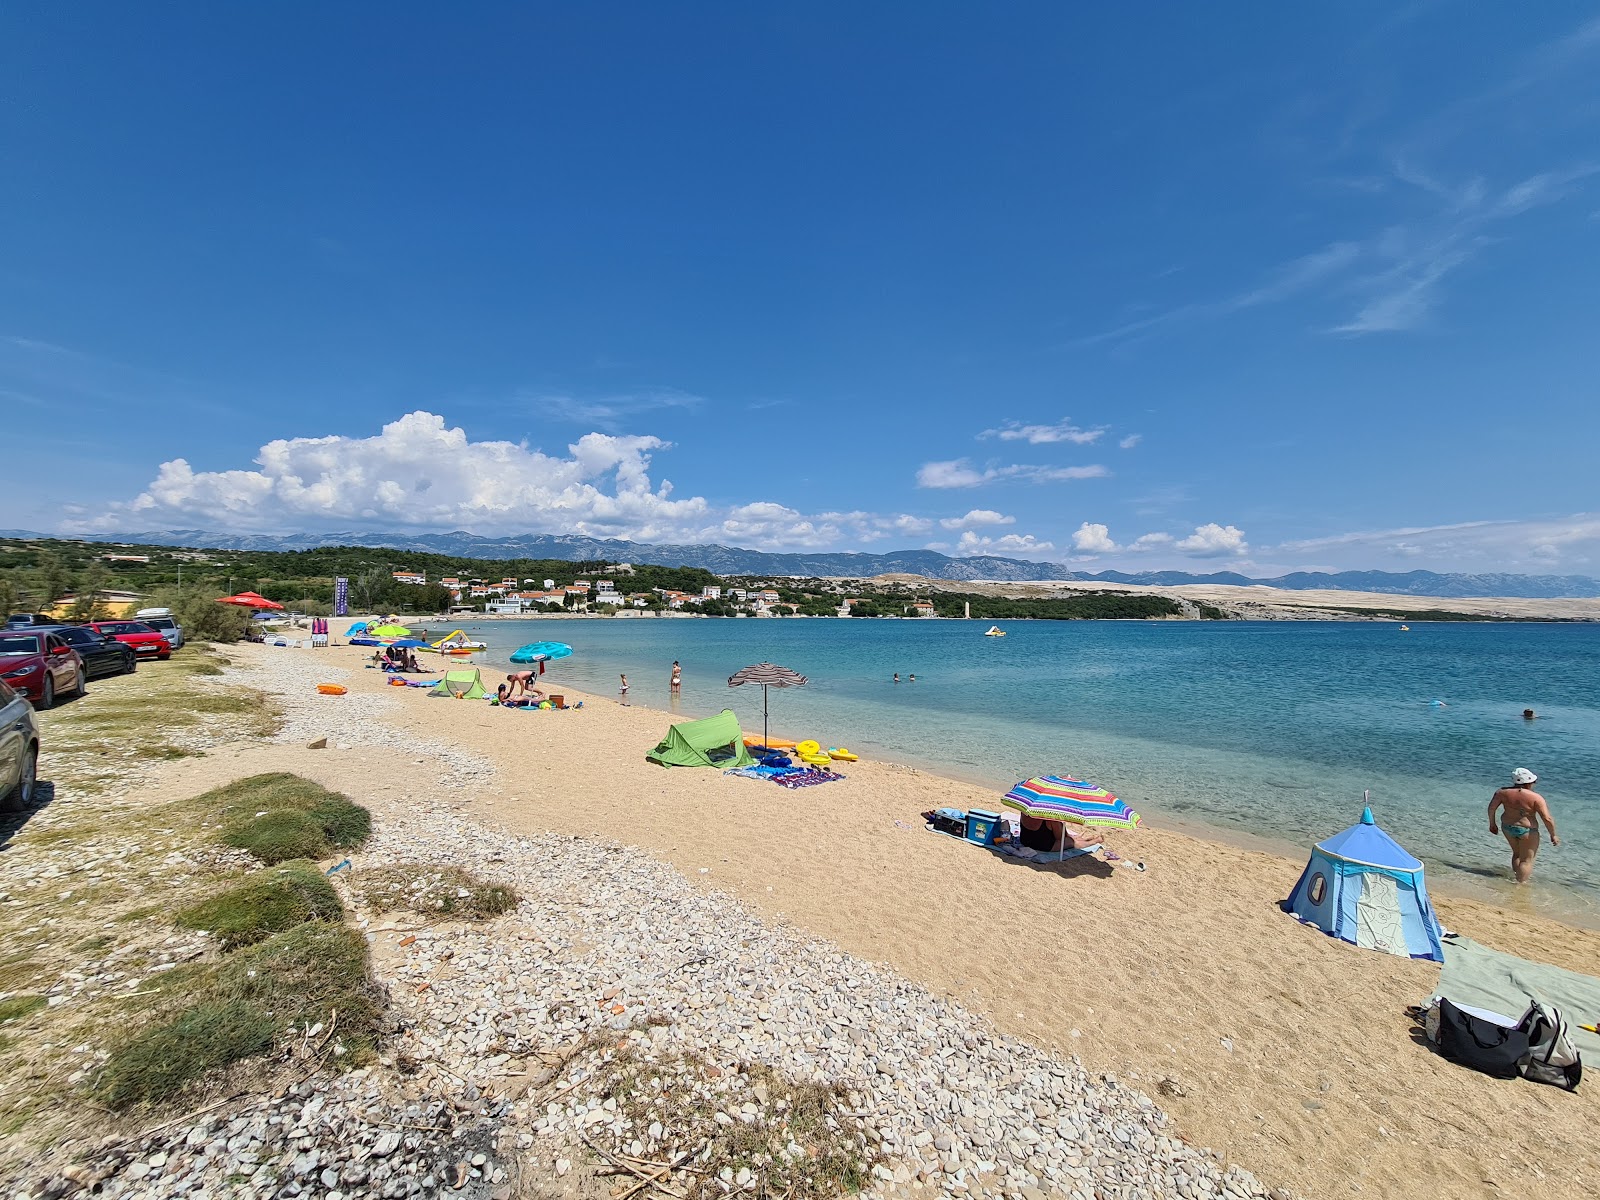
(1476, 975)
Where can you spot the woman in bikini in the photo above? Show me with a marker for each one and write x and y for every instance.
(1523, 808)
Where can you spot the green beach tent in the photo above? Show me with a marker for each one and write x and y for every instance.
(465, 684)
(714, 742)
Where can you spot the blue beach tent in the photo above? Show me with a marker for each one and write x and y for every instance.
(1361, 886)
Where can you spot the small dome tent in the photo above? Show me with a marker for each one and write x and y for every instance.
(1361, 886)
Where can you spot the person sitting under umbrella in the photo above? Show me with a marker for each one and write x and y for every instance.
(1052, 837)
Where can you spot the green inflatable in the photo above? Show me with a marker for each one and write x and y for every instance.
(714, 742)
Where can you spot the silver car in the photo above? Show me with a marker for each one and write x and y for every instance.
(19, 751)
(166, 627)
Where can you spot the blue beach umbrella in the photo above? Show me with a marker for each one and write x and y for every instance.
(408, 642)
(535, 652)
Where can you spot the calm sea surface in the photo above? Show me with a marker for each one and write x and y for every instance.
(1274, 729)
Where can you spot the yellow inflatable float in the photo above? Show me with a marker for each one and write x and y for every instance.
(810, 753)
(840, 754)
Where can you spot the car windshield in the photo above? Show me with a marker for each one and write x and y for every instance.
(15, 644)
(125, 627)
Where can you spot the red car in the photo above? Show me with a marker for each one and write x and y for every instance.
(146, 642)
(40, 666)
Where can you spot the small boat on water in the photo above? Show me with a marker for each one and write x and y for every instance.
(994, 631)
(1405, 629)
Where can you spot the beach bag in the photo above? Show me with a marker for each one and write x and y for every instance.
(1482, 1045)
(1552, 1058)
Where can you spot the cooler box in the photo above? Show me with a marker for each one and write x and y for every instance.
(557, 700)
(982, 826)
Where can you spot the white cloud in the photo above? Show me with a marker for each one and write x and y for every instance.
(1011, 543)
(1093, 539)
(418, 473)
(1152, 541)
(976, 518)
(609, 412)
(1044, 435)
(1214, 541)
(960, 473)
(1569, 543)
(1132, 440)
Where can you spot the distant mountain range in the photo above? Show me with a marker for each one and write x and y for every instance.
(731, 560)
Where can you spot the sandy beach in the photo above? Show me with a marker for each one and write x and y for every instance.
(1286, 1050)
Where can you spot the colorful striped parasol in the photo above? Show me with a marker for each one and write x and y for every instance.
(1055, 798)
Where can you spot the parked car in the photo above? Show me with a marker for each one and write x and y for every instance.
(19, 750)
(23, 620)
(101, 654)
(40, 665)
(146, 642)
(163, 622)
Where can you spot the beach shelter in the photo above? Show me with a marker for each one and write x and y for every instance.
(249, 600)
(1361, 886)
(714, 742)
(466, 684)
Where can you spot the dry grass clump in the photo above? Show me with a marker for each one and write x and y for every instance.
(265, 903)
(14, 1008)
(749, 1128)
(434, 889)
(315, 974)
(279, 816)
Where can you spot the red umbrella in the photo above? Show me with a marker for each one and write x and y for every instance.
(249, 600)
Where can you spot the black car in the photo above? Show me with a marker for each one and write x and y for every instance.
(101, 655)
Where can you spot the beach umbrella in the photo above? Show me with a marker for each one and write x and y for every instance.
(390, 631)
(249, 600)
(408, 643)
(1056, 798)
(768, 675)
(538, 652)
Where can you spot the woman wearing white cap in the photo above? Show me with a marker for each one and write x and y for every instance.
(1524, 809)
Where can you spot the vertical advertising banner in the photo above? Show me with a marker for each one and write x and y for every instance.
(341, 597)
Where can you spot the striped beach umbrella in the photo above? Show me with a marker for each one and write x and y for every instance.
(768, 675)
(1056, 798)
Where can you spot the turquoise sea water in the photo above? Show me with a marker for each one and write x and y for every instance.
(1271, 728)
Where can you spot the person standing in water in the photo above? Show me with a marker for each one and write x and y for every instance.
(624, 688)
(1523, 808)
(677, 677)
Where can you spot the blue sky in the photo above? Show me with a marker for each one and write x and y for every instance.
(1248, 286)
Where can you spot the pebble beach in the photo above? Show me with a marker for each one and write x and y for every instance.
(983, 1028)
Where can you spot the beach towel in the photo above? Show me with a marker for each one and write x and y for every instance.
(1503, 983)
(799, 779)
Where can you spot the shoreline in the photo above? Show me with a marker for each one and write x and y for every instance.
(1185, 980)
(1496, 891)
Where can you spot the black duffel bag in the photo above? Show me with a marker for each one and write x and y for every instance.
(1479, 1044)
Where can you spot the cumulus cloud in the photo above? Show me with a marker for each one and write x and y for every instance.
(1207, 541)
(976, 518)
(1011, 543)
(960, 473)
(1091, 538)
(1214, 541)
(1043, 435)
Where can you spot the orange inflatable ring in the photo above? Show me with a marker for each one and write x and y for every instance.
(331, 689)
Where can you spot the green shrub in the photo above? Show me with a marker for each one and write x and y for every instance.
(314, 972)
(280, 816)
(265, 903)
(279, 835)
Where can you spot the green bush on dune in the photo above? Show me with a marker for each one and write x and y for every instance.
(278, 817)
(265, 903)
(313, 973)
